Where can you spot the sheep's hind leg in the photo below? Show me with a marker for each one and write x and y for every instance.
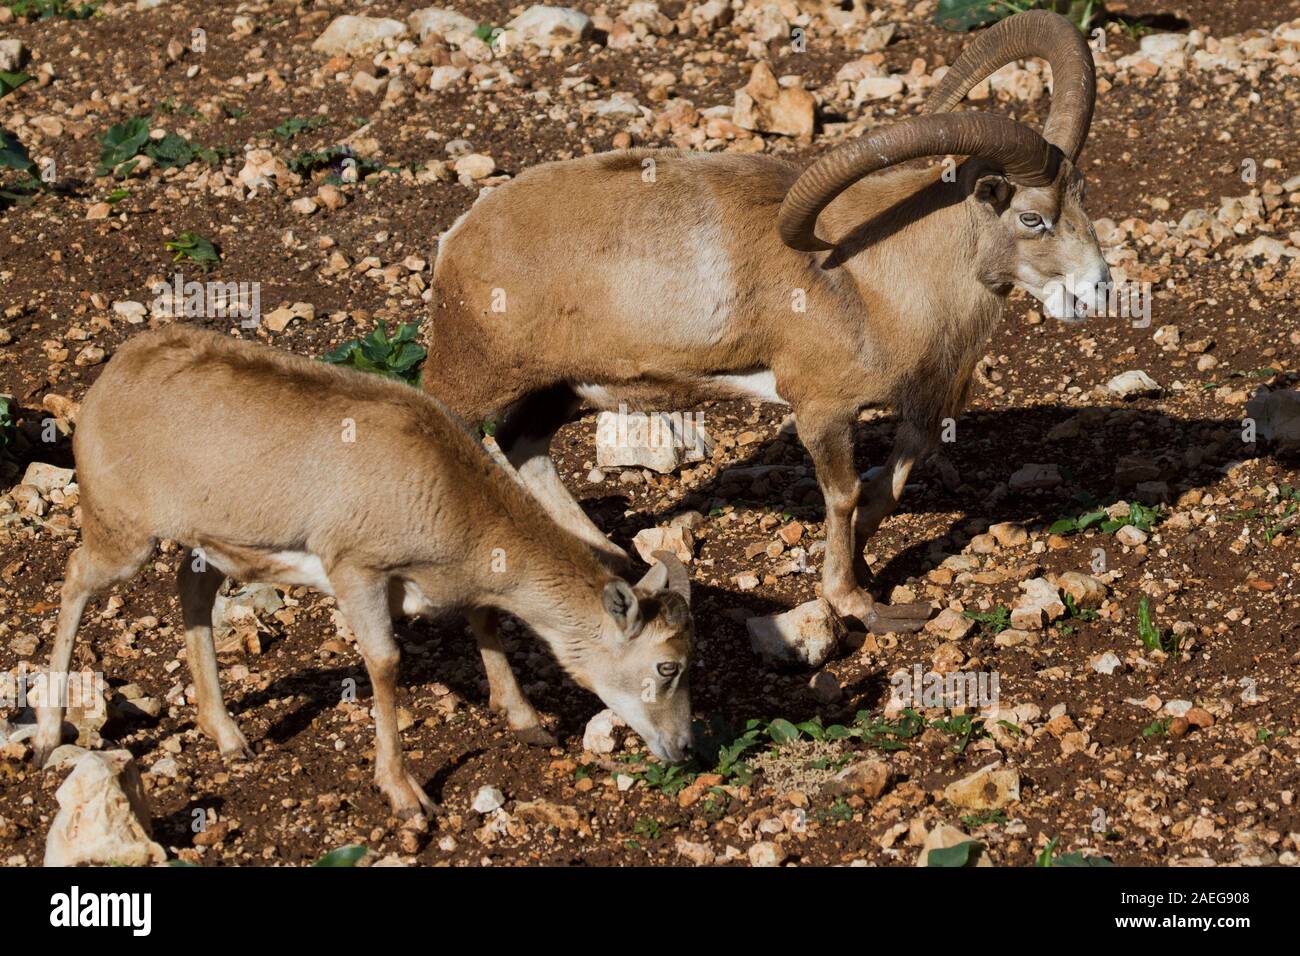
(99, 563)
(877, 500)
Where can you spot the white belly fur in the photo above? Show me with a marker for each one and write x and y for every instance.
(596, 395)
(304, 569)
(759, 386)
(414, 603)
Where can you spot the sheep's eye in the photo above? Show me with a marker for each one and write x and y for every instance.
(668, 669)
(1031, 219)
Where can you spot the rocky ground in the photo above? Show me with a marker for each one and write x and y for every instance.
(1110, 531)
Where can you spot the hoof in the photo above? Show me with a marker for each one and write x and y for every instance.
(415, 821)
(535, 736)
(231, 743)
(898, 618)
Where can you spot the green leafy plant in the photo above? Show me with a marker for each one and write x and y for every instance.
(886, 734)
(307, 163)
(962, 15)
(837, 812)
(295, 125)
(1152, 637)
(670, 779)
(173, 151)
(1073, 610)
(991, 622)
(1049, 857)
(714, 806)
(13, 155)
(721, 748)
(44, 9)
(11, 81)
(1157, 728)
(648, 827)
(726, 746)
(1280, 515)
(8, 430)
(169, 105)
(1133, 28)
(1140, 516)
(965, 727)
(984, 818)
(120, 144)
(192, 247)
(343, 856)
(966, 853)
(1075, 525)
(397, 356)
(1287, 505)
(782, 731)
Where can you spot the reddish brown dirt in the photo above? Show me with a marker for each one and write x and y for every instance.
(1159, 149)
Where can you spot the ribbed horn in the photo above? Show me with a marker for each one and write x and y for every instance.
(679, 579)
(1025, 157)
(1038, 33)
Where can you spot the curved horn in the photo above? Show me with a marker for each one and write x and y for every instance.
(679, 579)
(1026, 157)
(1038, 33)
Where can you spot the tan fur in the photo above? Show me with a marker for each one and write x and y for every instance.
(652, 289)
(243, 453)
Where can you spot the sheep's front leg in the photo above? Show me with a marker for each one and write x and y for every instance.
(363, 598)
(505, 694)
(829, 440)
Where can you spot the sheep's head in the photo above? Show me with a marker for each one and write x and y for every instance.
(639, 667)
(1040, 239)
(1027, 193)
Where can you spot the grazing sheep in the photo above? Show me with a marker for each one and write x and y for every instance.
(273, 467)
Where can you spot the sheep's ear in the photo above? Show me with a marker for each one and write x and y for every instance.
(622, 605)
(992, 189)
